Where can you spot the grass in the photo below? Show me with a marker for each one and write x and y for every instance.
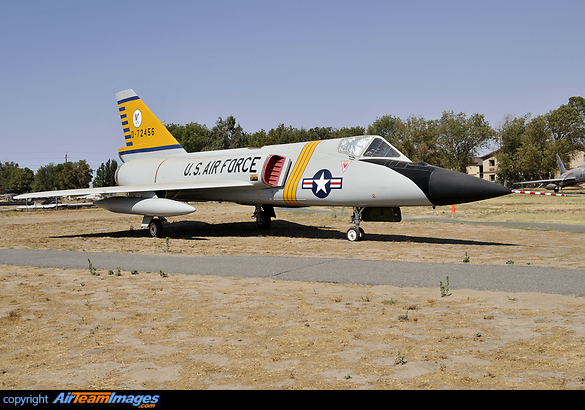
(515, 208)
(444, 288)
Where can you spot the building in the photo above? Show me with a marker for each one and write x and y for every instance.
(578, 159)
(484, 167)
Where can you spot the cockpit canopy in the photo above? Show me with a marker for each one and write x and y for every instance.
(369, 146)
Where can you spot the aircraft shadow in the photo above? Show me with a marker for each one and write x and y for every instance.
(197, 230)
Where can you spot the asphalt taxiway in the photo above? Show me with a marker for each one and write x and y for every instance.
(504, 278)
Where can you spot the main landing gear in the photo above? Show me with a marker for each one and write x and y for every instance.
(155, 226)
(263, 215)
(355, 233)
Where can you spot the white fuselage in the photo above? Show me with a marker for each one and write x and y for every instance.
(323, 176)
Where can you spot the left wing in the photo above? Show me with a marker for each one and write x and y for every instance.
(173, 186)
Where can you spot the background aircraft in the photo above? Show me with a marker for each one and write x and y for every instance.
(572, 177)
(364, 172)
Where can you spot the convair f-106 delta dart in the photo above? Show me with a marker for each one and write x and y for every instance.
(363, 172)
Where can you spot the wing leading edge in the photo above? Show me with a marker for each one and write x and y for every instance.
(542, 181)
(132, 189)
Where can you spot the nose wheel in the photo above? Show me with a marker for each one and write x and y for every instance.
(355, 233)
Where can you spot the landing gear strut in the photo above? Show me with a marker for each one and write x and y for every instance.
(355, 233)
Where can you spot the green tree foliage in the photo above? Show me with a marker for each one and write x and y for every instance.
(7, 171)
(451, 142)
(536, 159)
(227, 134)
(47, 177)
(282, 135)
(50, 177)
(566, 126)
(349, 132)
(528, 146)
(459, 138)
(421, 142)
(510, 139)
(75, 175)
(416, 137)
(15, 180)
(22, 180)
(105, 174)
(192, 136)
(388, 127)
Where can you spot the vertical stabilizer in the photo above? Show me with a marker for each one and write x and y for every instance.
(561, 165)
(145, 135)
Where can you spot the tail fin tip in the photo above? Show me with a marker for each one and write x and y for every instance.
(124, 95)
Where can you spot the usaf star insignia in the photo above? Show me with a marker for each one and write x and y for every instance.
(322, 183)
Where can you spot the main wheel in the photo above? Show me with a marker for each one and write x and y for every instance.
(353, 235)
(263, 220)
(155, 228)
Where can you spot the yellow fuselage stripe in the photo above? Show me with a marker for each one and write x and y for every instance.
(290, 189)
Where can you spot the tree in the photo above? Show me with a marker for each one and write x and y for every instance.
(75, 175)
(226, 134)
(192, 136)
(460, 138)
(106, 174)
(528, 147)
(421, 140)
(390, 128)
(319, 133)
(510, 140)
(257, 139)
(7, 171)
(349, 132)
(386, 127)
(47, 177)
(536, 158)
(282, 135)
(566, 127)
(22, 180)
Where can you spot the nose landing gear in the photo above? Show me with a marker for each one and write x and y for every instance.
(355, 233)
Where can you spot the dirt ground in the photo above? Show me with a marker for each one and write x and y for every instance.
(71, 329)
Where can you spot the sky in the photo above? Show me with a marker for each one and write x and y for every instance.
(317, 63)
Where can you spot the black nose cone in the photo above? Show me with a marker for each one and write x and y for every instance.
(448, 187)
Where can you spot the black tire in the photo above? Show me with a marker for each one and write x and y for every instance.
(263, 220)
(155, 228)
(353, 235)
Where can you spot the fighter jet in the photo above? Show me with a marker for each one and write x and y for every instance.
(571, 177)
(363, 172)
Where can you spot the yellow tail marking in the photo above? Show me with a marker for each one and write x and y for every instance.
(290, 189)
(143, 132)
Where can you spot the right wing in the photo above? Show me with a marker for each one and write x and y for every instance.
(542, 181)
